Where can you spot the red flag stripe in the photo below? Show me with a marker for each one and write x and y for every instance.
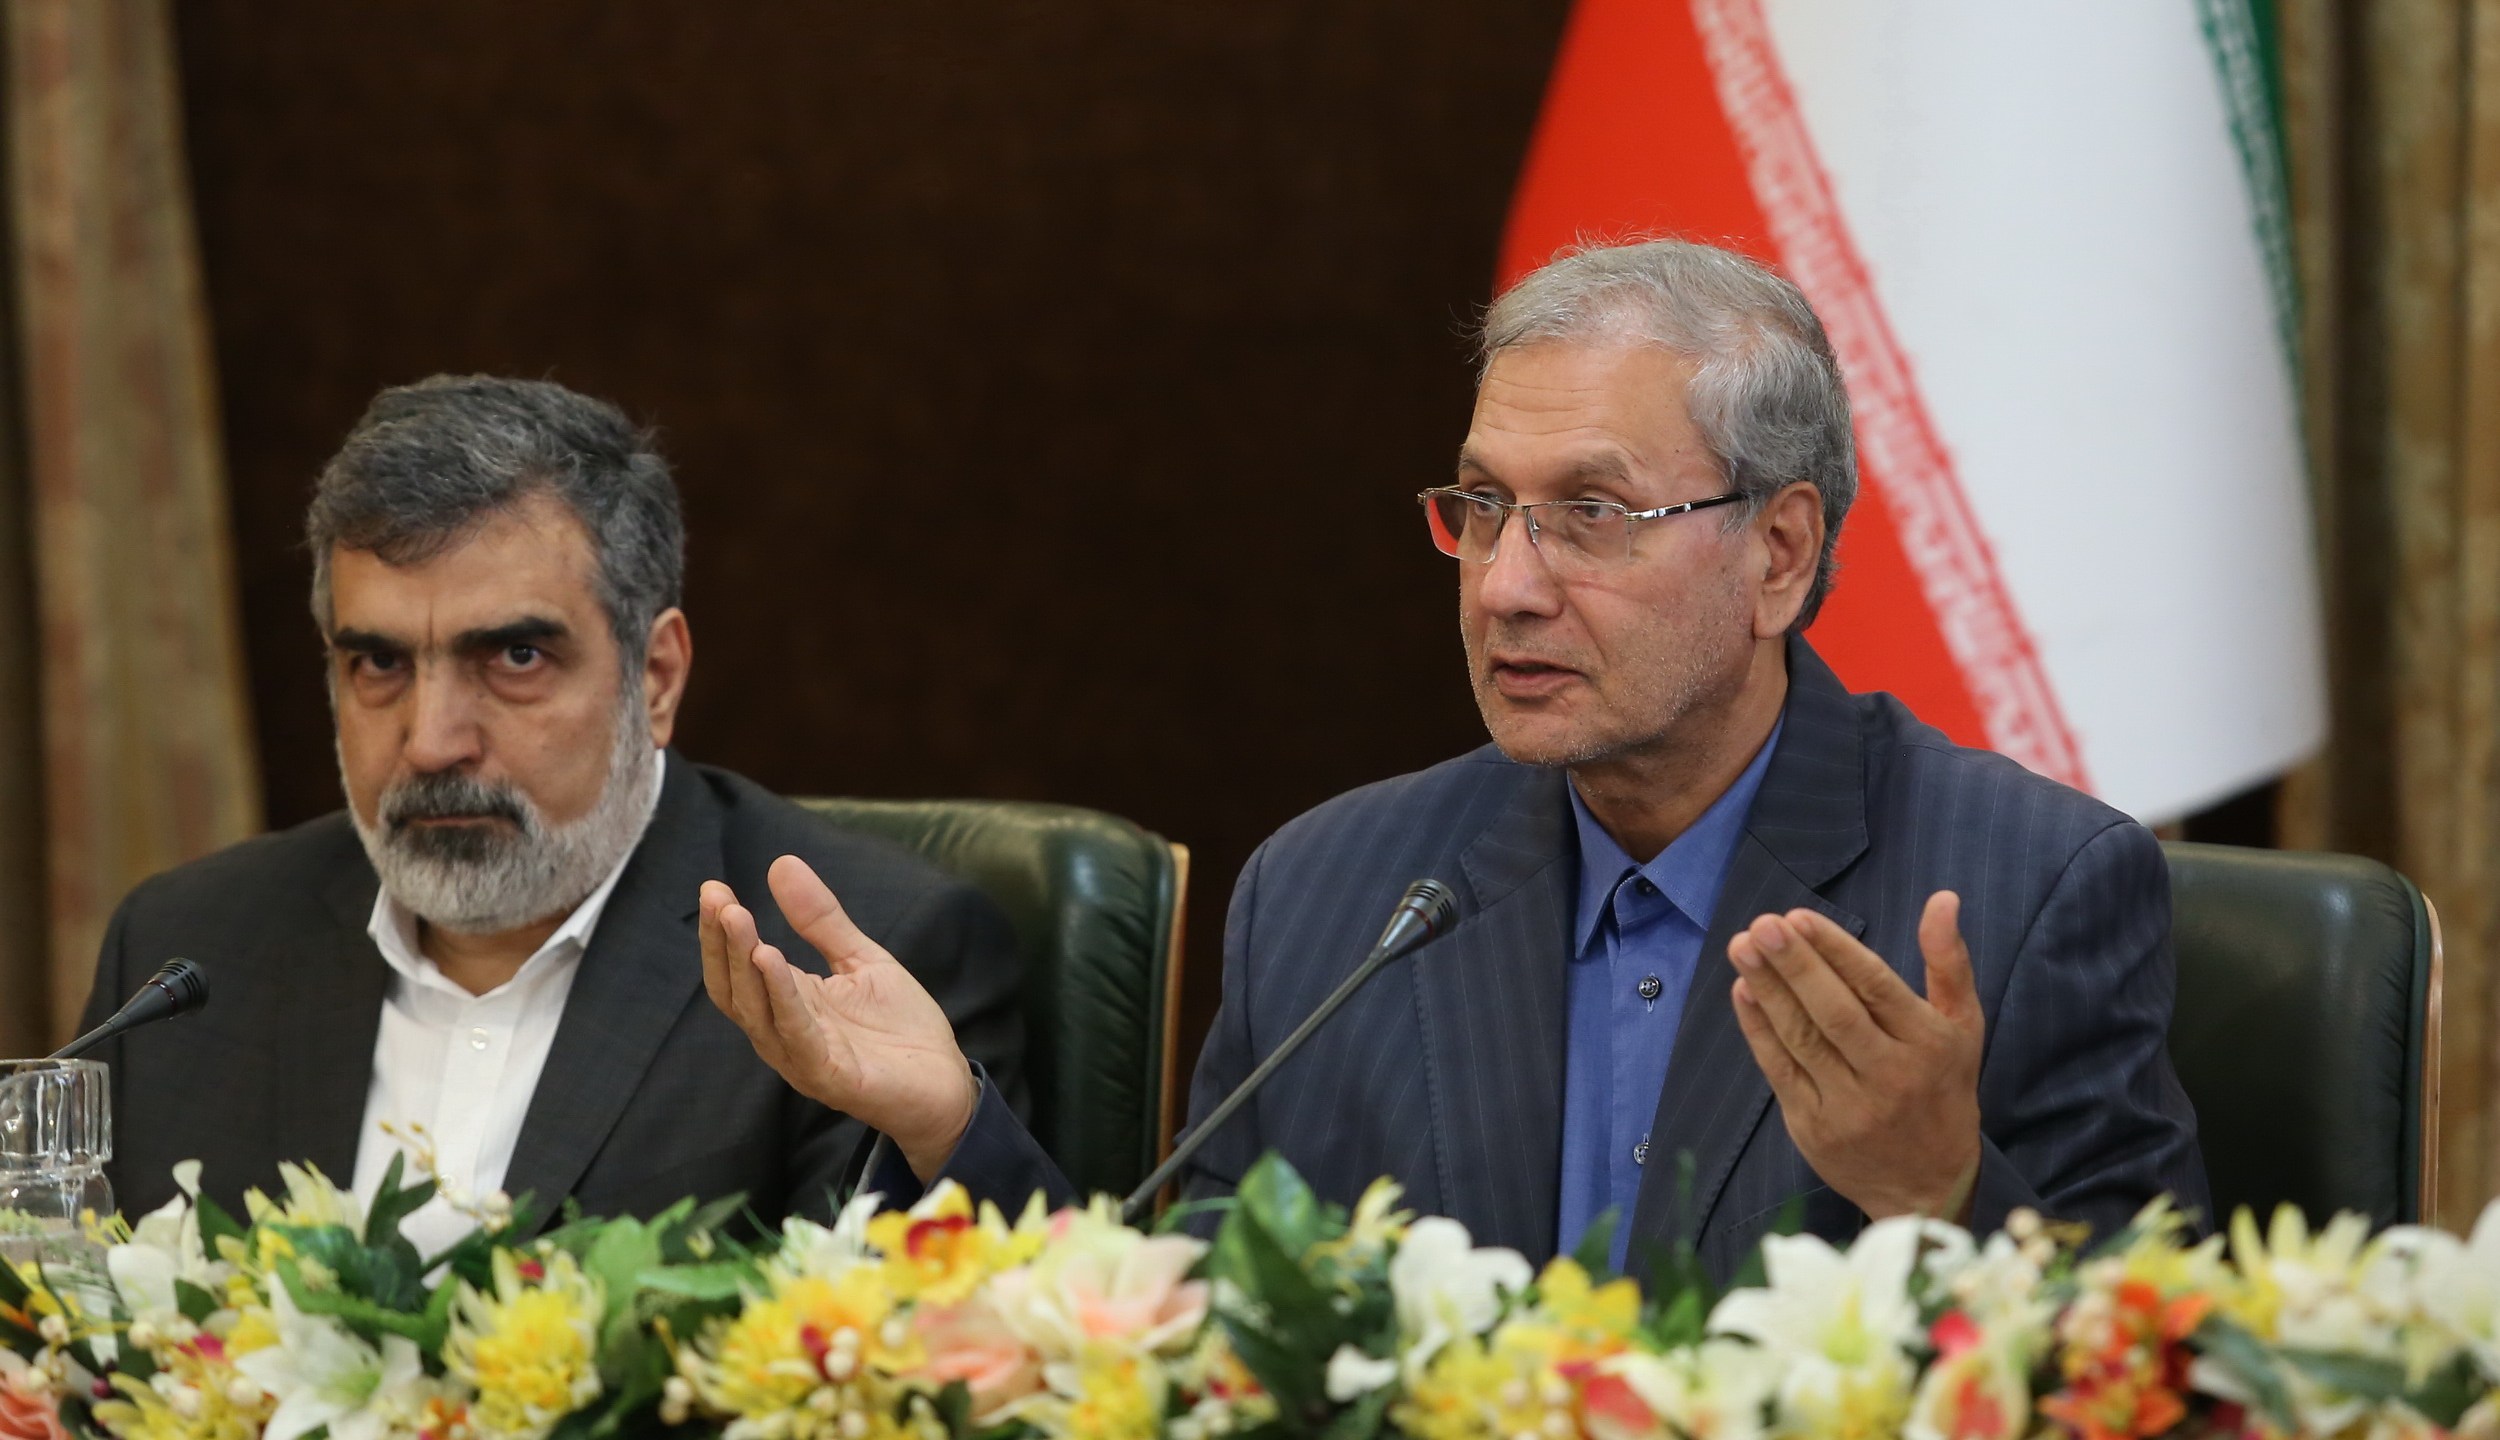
(1897, 439)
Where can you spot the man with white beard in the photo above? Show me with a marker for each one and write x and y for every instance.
(488, 961)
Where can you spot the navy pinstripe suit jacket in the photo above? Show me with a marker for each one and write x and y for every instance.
(1447, 1071)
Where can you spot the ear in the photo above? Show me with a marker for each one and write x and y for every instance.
(667, 659)
(1788, 542)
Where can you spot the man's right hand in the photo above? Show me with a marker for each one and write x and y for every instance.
(866, 1040)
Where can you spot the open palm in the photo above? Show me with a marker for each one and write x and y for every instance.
(866, 1039)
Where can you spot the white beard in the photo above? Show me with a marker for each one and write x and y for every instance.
(484, 880)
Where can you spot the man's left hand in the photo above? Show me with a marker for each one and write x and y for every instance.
(1880, 1088)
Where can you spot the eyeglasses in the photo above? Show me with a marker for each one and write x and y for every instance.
(1587, 534)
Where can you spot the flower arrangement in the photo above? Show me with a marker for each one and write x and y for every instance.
(314, 1317)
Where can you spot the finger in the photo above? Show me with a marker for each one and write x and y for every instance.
(810, 907)
(1797, 1032)
(1826, 999)
(1886, 997)
(750, 1004)
(1950, 987)
(1790, 1081)
(715, 944)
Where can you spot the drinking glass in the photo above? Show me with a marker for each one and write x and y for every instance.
(56, 1132)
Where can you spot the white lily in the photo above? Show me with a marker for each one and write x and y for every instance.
(324, 1374)
(165, 1247)
(1837, 1325)
(1711, 1391)
(1354, 1373)
(808, 1248)
(1446, 1287)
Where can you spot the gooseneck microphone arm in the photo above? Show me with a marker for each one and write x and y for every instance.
(1425, 913)
(178, 989)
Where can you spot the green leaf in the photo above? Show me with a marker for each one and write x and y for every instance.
(1275, 1193)
(717, 1280)
(362, 1315)
(619, 1253)
(195, 1303)
(2359, 1376)
(215, 1223)
(1252, 1257)
(1363, 1419)
(2241, 1354)
(2447, 1394)
(394, 1203)
(1286, 1372)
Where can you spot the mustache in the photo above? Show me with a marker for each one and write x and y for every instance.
(449, 795)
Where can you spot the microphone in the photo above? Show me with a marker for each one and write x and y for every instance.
(1425, 913)
(178, 989)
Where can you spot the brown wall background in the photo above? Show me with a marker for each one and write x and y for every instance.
(1046, 382)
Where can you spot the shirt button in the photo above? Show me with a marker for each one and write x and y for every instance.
(1645, 887)
(1640, 1153)
(479, 1039)
(1651, 989)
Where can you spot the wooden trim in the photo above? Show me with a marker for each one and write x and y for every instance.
(1168, 1103)
(2433, 1002)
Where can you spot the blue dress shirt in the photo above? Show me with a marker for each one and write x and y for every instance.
(1637, 938)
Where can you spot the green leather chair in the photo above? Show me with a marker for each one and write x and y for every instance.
(1098, 904)
(2307, 1030)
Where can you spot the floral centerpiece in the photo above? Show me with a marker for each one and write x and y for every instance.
(312, 1316)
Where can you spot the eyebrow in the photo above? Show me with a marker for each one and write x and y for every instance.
(1606, 465)
(528, 630)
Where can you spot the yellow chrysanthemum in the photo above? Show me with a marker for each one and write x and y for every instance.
(253, 1328)
(1608, 1311)
(1117, 1397)
(531, 1349)
(940, 1251)
(207, 1399)
(810, 1360)
(1470, 1393)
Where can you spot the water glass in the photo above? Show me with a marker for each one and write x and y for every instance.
(56, 1133)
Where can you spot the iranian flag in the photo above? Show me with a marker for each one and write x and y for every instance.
(2049, 242)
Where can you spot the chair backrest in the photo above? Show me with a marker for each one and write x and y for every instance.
(2307, 1030)
(1097, 904)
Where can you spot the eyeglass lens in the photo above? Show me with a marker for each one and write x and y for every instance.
(1469, 526)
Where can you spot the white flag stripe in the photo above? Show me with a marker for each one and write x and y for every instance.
(2054, 222)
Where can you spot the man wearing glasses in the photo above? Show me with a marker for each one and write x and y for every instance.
(1729, 937)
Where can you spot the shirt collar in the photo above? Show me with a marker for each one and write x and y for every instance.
(394, 930)
(1692, 867)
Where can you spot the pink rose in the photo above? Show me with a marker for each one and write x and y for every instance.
(29, 1417)
(968, 1342)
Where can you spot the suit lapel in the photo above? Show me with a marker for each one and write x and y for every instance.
(1490, 1000)
(1808, 824)
(635, 980)
(332, 1015)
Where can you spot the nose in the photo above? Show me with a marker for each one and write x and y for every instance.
(1517, 580)
(443, 723)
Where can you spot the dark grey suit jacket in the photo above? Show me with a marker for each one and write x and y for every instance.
(649, 1095)
(1447, 1072)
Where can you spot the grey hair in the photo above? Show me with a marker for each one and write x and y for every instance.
(430, 462)
(1766, 393)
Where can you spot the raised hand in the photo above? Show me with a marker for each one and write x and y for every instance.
(866, 1040)
(1880, 1088)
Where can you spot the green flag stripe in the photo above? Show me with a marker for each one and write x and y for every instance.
(2245, 43)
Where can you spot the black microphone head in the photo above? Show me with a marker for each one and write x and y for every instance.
(1435, 904)
(186, 982)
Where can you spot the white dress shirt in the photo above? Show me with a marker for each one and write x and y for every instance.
(464, 1066)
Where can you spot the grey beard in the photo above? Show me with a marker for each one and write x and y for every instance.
(483, 880)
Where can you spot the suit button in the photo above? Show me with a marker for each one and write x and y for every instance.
(1640, 1153)
(1651, 988)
